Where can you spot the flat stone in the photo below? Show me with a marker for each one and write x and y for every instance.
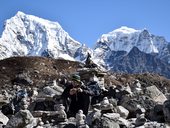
(112, 116)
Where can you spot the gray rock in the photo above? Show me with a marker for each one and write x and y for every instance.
(62, 124)
(23, 119)
(123, 122)
(3, 118)
(157, 114)
(113, 102)
(110, 120)
(156, 94)
(112, 116)
(166, 111)
(51, 91)
(122, 111)
(155, 125)
(140, 120)
(131, 105)
(106, 105)
(93, 117)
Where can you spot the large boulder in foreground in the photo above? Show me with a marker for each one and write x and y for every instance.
(154, 93)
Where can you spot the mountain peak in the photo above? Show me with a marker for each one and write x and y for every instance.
(30, 35)
(125, 38)
(36, 19)
(125, 29)
(19, 13)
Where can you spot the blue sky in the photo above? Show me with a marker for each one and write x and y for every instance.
(87, 20)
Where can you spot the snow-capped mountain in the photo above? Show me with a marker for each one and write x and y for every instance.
(133, 51)
(124, 39)
(29, 35)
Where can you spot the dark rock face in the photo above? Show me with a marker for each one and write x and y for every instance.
(138, 62)
(47, 53)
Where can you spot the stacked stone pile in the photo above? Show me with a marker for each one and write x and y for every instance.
(130, 105)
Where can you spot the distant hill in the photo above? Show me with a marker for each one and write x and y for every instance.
(37, 69)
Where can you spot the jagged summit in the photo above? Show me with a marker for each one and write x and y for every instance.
(124, 39)
(124, 29)
(29, 35)
(42, 21)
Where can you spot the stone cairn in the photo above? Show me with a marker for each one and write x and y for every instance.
(80, 120)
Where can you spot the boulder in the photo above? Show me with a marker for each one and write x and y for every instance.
(140, 120)
(50, 91)
(154, 93)
(93, 117)
(22, 119)
(157, 114)
(123, 122)
(106, 106)
(112, 116)
(131, 105)
(4, 100)
(166, 111)
(113, 102)
(3, 119)
(43, 104)
(109, 120)
(122, 111)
